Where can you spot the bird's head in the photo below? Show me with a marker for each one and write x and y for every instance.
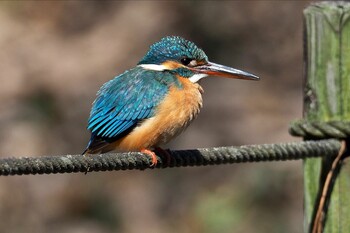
(183, 57)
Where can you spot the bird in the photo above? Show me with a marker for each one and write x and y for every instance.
(148, 105)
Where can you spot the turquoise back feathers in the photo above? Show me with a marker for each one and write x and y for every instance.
(128, 98)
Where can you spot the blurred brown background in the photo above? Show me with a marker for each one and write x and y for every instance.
(55, 56)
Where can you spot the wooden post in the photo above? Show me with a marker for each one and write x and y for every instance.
(327, 98)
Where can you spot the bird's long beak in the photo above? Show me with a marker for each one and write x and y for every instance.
(224, 71)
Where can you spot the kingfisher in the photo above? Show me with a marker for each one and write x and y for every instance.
(148, 105)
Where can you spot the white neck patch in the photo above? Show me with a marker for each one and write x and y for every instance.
(196, 77)
(153, 67)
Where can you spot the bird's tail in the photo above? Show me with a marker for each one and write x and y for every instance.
(97, 145)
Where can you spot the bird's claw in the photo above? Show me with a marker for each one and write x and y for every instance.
(153, 156)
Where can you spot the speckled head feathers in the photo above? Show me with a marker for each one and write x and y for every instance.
(173, 48)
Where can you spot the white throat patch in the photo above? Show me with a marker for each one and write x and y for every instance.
(196, 77)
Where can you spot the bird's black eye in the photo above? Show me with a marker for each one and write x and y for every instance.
(185, 60)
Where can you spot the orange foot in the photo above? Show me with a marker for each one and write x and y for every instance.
(153, 156)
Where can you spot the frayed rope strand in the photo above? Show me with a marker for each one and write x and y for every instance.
(180, 158)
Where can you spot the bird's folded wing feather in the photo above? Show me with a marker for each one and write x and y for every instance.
(126, 100)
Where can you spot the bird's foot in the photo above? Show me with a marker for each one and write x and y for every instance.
(153, 156)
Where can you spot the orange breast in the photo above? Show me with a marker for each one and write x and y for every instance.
(173, 115)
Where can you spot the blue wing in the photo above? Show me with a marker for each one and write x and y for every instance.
(127, 99)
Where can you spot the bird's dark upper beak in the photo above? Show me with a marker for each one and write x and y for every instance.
(224, 71)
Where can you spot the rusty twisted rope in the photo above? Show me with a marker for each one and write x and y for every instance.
(320, 130)
(181, 158)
